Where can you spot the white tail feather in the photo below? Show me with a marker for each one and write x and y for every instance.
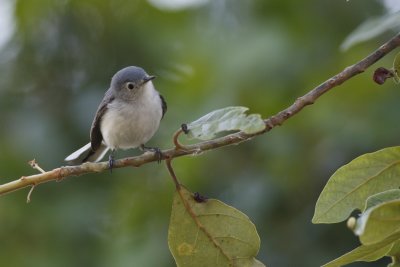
(78, 153)
(86, 153)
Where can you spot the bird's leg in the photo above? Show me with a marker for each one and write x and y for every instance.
(156, 150)
(111, 160)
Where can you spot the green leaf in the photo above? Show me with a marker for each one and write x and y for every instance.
(372, 202)
(352, 184)
(382, 197)
(396, 67)
(226, 119)
(366, 252)
(379, 222)
(211, 233)
(372, 28)
(394, 249)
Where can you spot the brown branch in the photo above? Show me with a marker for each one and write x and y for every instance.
(275, 120)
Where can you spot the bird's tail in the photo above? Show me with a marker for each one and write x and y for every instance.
(86, 153)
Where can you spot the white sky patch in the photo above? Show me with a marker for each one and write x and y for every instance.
(176, 4)
(7, 24)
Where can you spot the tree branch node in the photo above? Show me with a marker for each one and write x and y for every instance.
(36, 166)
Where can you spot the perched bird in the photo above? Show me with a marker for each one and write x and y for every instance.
(127, 117)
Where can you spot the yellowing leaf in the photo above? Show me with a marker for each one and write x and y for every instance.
(211, 233)
(352, 184)
(226, 119)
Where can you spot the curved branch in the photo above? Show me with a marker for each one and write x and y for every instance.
(235, 138)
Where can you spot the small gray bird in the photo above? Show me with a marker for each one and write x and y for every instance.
(127, 117)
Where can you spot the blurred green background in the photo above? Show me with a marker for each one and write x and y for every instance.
(57, 59)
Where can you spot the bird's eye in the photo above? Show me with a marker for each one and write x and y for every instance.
(130, 86)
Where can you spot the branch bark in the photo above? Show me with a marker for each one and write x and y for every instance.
(235, 138)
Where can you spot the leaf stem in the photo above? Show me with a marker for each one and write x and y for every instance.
(177, 144)
(172, 173)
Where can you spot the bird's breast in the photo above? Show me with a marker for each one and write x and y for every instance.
(128, 124)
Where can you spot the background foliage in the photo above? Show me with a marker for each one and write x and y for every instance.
(58, 62)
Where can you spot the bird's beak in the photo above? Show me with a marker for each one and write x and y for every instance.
(148, 78)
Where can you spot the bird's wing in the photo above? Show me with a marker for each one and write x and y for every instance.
(96, 137)
(163, 105)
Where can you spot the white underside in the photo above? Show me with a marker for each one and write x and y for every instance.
(125, 125)
(130, 124)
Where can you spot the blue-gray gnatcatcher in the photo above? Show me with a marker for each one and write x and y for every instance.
(127, 117)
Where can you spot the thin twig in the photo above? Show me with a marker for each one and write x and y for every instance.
(36, 166)
(272, 122)
(28, 197)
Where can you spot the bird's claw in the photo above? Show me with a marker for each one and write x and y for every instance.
(111, 162)
(158, 153)
(156, 150)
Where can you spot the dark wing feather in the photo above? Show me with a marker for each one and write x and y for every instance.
(96, 138)
(163, 105)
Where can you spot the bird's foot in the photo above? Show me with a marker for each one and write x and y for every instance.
(111, 161)
(156, 150)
